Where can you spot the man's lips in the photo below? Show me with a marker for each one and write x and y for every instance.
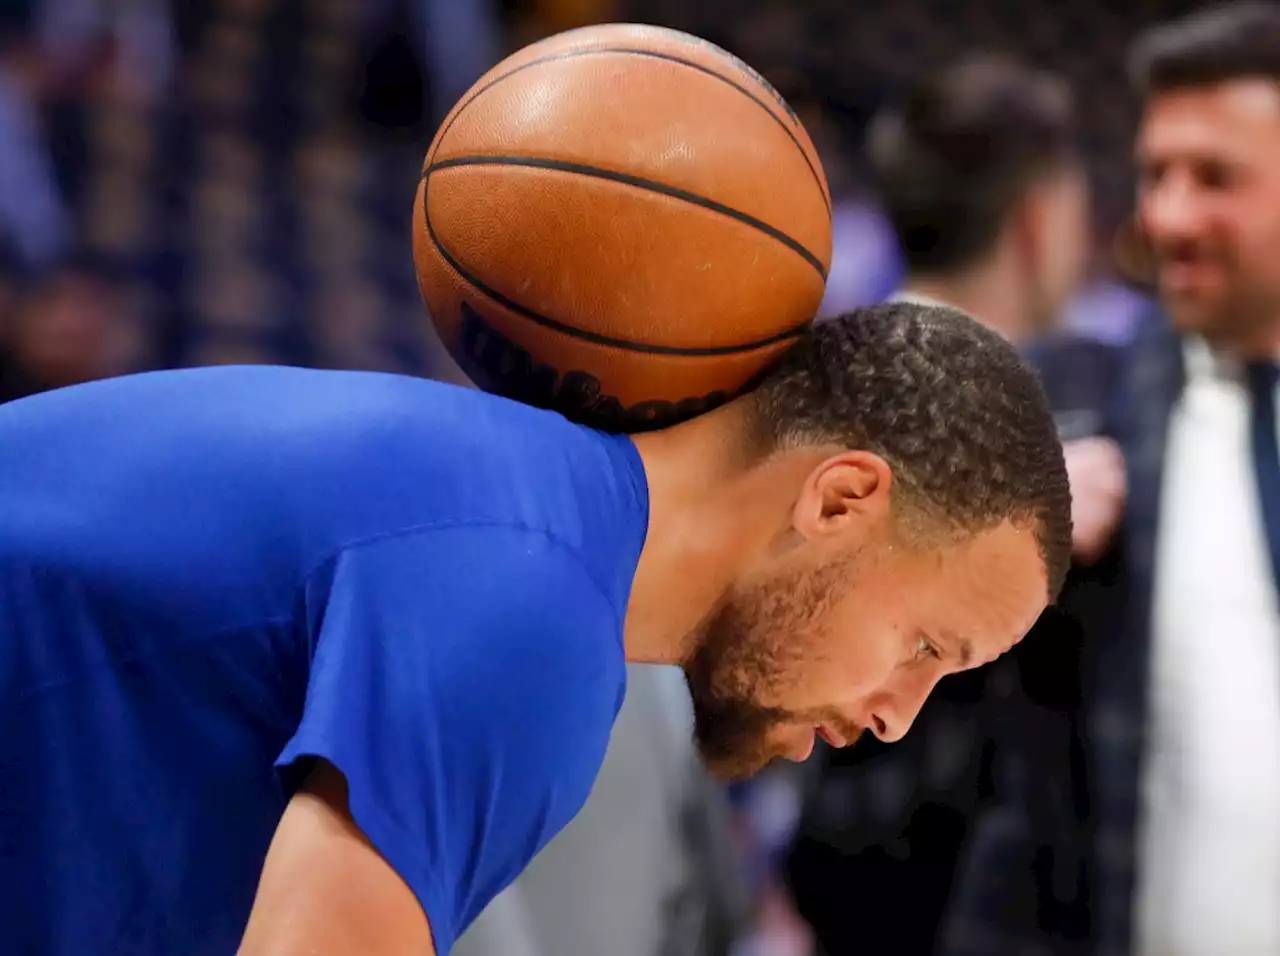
(831, 737)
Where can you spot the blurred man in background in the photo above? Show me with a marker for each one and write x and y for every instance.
(68, 326)
(979, 174)
(34, 222)
(1185, 701)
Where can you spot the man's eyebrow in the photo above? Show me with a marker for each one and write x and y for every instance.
(965, 645)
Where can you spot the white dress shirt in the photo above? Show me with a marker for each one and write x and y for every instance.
(1209, 856)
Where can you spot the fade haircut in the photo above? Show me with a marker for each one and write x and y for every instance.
(960, 418)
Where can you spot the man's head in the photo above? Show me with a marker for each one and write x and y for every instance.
(70, 326)
(978, 170)
(928, 526)
(1209, 174)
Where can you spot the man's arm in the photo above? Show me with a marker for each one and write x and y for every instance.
(326, 890)
(462, 686)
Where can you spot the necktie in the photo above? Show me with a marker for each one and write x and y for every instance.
(1263, 379)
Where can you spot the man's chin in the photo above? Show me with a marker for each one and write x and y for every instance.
(732, 772)
(734, 767)
(735, 738)
(1193, 313)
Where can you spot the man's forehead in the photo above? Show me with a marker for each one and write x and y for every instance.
(1006, 541)
(991, 604)
(967, 651)
(1249, 105)
(972, 654)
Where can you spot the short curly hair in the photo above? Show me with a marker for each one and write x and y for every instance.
(961, 419)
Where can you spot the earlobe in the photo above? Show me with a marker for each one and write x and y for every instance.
(1027, 223)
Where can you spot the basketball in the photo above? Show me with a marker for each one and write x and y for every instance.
(623, 223)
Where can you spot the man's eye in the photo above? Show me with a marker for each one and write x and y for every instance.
(924, 648)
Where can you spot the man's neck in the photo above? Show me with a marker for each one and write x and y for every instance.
(1260, 345)
(983, 293)
(712, 510)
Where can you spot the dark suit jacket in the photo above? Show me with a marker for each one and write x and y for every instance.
(971, 836)
(1116, 670)
(1106, 707)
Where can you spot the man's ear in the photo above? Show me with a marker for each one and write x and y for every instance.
(1028, 225)
(848, 489)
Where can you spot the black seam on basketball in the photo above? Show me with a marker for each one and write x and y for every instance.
(626, 179)
(554, 324)
(568, 54)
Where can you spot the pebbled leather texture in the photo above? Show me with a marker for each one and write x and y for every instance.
(627, 204)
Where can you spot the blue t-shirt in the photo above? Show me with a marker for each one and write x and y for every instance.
(210, 577)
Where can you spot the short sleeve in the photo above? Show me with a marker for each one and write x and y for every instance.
(464, 681)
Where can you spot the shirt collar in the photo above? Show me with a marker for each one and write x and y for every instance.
(1206, 364)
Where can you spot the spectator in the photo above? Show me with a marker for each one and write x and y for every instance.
(1185, 704)
(980, 178)
(424, 55)
(34, 222)
(71, 326)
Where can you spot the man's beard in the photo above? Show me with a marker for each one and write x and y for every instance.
(744, 650)
(1230, 323)
(1044, 315)
(729, 727)
(1234, 314)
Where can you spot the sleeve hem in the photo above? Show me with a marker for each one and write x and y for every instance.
(391, 843)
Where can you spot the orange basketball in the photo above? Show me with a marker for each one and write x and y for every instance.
(624, 223)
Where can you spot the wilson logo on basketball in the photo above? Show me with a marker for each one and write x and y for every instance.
(497, 364)
(637, 210)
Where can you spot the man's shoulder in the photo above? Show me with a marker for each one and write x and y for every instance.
(442, 457)
(505, 626)
(523, 616)
(529, 600)
(497, 559)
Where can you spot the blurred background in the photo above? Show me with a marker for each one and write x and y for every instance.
(214, 181)
(230, 181)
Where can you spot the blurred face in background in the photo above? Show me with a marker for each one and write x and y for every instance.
(1056, 229)
(1209, 209)
(68, 332)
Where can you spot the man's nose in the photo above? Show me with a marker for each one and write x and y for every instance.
(893, 714)
(1172, 211)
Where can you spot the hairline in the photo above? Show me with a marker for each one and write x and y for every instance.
(918, 522)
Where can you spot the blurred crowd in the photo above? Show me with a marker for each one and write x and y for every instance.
(230, 181)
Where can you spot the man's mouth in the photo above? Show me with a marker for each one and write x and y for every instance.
(831, 737)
